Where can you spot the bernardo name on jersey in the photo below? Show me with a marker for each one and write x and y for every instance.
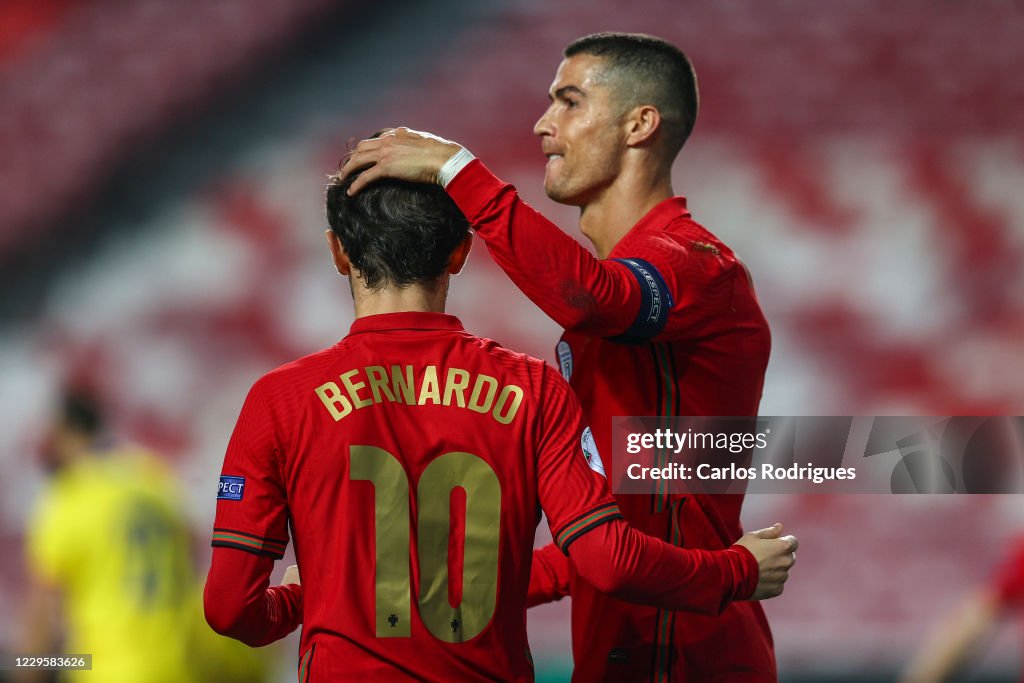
(373, 384)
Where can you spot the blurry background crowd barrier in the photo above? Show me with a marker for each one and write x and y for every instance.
(161, 224)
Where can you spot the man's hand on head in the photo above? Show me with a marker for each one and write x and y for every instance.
(399, 153)
(775, 555)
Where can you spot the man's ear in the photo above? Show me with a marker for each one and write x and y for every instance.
(641, 124)
(460, 254)
(338, 253)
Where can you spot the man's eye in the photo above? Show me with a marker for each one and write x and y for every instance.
(571, 104)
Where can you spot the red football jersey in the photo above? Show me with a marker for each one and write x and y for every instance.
(1009, 580)
(668, 325)
(411, 462)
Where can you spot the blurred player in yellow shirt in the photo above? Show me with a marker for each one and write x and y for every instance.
(109, 549)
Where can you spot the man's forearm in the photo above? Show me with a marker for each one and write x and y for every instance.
(240, 603)
(952, 643)
(632, 566)
(574, 288)
(580, 292)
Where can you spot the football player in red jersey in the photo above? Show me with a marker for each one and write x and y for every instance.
(410, 463)
(958, 636)
(664, 322)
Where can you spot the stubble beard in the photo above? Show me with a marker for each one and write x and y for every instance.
(560, 190)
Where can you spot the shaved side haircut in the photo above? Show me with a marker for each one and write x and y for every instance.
(646, 70)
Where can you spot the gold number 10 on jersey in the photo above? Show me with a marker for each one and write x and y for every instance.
(433, 504)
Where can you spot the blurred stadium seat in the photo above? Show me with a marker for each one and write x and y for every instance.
(91, 78)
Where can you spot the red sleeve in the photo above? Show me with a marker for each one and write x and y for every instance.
(549, 576)
(1009, 583)
(252, 511)
(577, 290)
(571, 484)
(627, 564)
(662, 286)
(240, 604)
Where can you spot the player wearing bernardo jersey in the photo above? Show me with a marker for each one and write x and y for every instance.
(411, 462)
(665, 322)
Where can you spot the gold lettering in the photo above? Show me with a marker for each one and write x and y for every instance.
(403, 384)
(517, 394)
(452, 384)
(458, 623)
(402, 389)
(391, 524)
(331, 396)
(379, 382)
(429, 388)
(353, 389)
(474, 399)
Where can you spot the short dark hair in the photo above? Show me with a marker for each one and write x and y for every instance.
(395, 232)
(81, 411)
(648, 70)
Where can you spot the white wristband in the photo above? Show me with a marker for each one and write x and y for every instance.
(455, 163)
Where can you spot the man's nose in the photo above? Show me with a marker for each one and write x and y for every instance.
(543, 126)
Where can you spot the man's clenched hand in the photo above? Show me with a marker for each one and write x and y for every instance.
(398, 153)
(775, 555)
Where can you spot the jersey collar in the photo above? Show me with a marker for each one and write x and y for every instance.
(407, 320)
(663, 213)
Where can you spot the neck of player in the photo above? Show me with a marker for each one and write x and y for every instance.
(618, 207)
(390, 299)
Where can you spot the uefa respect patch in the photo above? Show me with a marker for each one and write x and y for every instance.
(589, 447)
(231, 488)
